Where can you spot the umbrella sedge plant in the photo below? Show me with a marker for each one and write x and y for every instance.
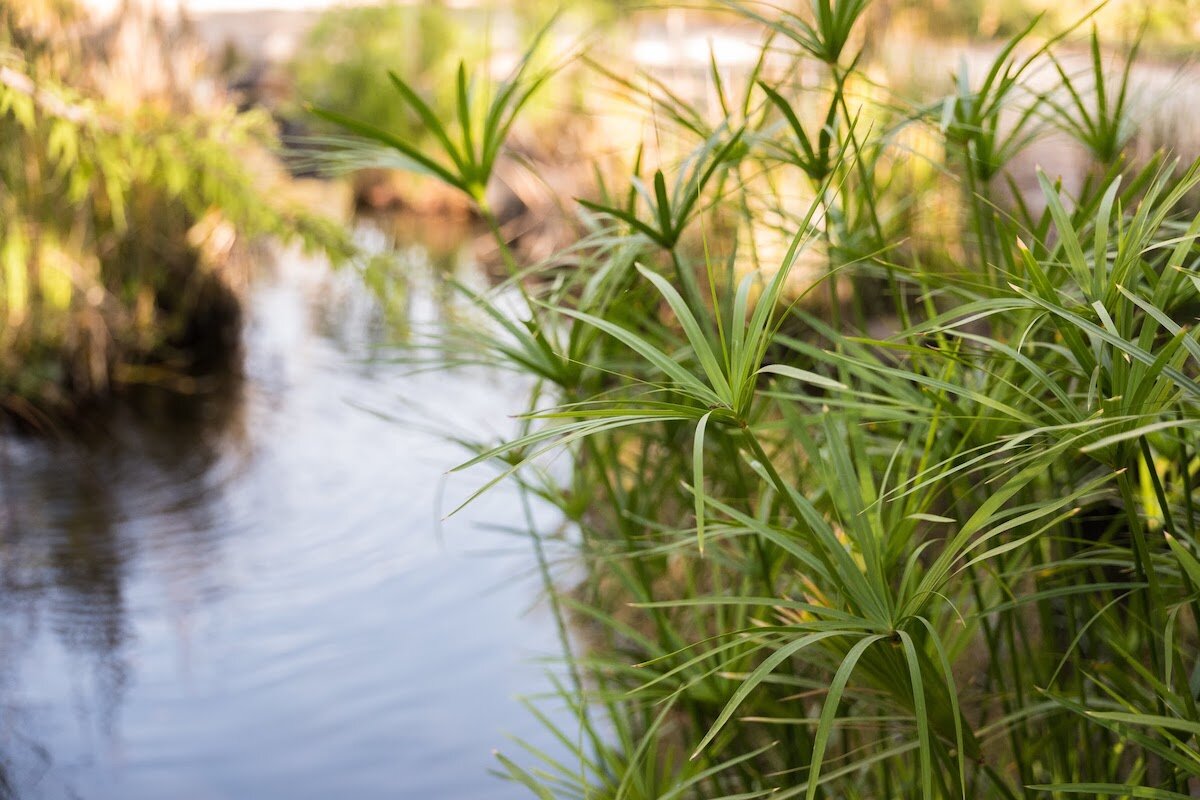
(948, 551)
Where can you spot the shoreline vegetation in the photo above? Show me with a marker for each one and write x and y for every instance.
(131, 192)
(879, 391)
(124, 294)
(934, 536)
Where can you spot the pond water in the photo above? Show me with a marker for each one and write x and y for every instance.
(245, 593)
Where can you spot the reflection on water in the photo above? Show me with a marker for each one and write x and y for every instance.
(244, 594)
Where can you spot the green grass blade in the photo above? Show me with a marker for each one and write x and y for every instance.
(756, 677)
(695, 335)
(464, 119)
(391, 140)
(683, 378)
(803, 375)
(1111, 790)
(829, 711)
(922, 714)
(429, 119)
(698, 478)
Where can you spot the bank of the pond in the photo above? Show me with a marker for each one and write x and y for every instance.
(129, 187)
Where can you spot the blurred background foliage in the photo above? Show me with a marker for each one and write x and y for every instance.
(130, 173)
(1171, 26)
(128, 186)
(342, 60)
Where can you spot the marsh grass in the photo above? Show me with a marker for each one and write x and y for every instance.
(955, 559)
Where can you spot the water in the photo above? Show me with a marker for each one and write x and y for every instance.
(246, 595)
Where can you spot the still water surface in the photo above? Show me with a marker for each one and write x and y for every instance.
(246, 595)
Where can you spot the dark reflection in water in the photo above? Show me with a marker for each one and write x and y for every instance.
(243, 594)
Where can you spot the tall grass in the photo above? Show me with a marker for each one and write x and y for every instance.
(932, 537)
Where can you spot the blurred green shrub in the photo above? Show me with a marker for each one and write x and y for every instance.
(342, 64)
(123, 193)
(1170, 25)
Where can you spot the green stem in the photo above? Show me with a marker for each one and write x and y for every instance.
(687, 282)
(868, 190)
(785, 493)
(506, 253)
(1152, 598)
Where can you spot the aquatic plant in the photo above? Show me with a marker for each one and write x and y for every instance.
(943, 545)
